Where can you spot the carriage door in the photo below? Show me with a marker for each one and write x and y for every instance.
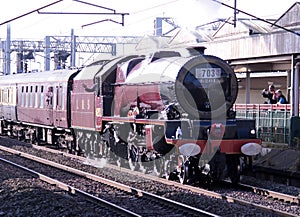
(58, 106)
(49, 104)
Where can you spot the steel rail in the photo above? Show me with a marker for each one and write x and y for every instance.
(191, 188)
(164, 181)
(272, 194)
(120, 186)
(73, 190)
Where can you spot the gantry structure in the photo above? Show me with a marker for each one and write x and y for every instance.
(61, 47)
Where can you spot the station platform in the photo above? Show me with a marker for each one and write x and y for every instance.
(281, 165)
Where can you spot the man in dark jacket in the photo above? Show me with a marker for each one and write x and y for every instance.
(270, 94)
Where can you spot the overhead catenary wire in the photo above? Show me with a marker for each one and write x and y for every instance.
(156, 6)
(38, 10)
(153, 16)
(253, 16)
(30, 12)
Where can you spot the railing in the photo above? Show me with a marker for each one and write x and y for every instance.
(272, 121)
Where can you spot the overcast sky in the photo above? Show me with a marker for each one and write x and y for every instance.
(187, 13)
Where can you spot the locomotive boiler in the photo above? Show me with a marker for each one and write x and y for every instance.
(168, 111)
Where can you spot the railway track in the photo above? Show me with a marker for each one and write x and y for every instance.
(272, 194)
(270, 210)
(135, 197)
(74, 191)
(263, 192)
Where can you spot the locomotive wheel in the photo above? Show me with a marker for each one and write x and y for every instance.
(170, 172)
(184, 173)
(119, 162)
(132, 165)
(20, 135)
(234, 174)
(166, 172)
(234, 170)
(61, 143)
(71, 147)
(133, 157)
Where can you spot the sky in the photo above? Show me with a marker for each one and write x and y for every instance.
(140, 21)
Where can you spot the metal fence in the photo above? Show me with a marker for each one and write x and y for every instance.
(272, 121)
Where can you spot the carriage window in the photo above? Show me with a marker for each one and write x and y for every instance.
(26, 97)
(5, 95)
(2, 95)
(22, 97)
(62, 98)
(8, 95)
(31, 97)
(59, 98)
(42, 100)
(49, 97)
(36, 97)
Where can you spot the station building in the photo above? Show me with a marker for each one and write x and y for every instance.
(262, 52)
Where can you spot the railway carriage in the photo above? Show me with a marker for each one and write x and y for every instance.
(41, 105)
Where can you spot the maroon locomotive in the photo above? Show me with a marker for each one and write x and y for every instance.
(170, 111)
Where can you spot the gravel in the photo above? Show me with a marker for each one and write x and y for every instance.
(21, 194)
(209, 204)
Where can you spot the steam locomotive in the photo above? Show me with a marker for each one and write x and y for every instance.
(169, 111)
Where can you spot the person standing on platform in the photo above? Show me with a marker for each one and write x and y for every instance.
(270, 94)
(281, 99)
